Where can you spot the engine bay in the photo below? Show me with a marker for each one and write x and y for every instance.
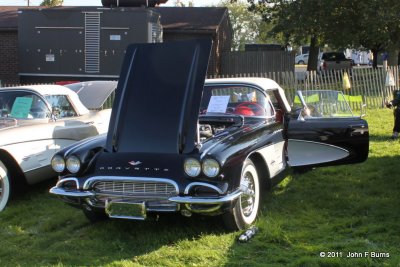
(209, 130)
(209, 126)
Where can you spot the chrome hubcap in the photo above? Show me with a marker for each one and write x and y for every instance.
(247, 199)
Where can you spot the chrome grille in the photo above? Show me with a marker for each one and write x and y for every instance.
(135, 188)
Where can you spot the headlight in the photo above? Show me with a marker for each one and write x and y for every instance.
(73, 164)
(58, 163)
(211, 167)
(192, 167)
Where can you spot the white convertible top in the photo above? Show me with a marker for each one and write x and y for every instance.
(263, 83)
(51, 89)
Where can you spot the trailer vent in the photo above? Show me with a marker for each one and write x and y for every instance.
(92, 42)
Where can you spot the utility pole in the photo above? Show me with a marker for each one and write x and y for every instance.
(28, 2)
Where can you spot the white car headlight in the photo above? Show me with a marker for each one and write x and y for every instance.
(73, 164)
(58, 163)
(192, 167)
(211, 167)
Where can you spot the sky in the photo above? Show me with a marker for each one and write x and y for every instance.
(96, 2)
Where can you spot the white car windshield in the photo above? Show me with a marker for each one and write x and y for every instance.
(324, 103)
(22, 105)
(239, 100)
(62, 105)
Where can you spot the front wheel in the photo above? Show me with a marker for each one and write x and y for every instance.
(245, 211)
(4, 186)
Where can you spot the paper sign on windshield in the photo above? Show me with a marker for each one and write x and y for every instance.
(218, 104)
(21, 107)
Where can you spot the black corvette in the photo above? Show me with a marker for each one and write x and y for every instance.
(180, 143)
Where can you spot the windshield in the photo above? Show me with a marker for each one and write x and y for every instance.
(22, 105)
(62, 105)
(240, 100)
(333, 56)
(324, 103)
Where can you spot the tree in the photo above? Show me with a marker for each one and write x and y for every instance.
(245, 24)
(364, 24)
(248, 27)
(370, 24)
(296, 22)
(52, 3)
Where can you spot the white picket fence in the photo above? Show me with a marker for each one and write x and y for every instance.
(374, 85)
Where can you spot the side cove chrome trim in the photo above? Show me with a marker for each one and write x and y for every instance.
(303, 153)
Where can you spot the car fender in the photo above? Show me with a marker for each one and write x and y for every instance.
(17, 177)
(262, 168)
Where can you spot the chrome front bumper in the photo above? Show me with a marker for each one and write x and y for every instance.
(194, 204)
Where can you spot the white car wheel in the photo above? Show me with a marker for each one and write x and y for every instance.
(4, 186)
(245, 211)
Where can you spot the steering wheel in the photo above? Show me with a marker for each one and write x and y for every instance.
(250, 109)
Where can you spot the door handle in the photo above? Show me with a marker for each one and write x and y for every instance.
(357, 126)
(356, 129)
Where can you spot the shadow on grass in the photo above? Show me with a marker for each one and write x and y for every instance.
(342, 209)
(46, 231)
(352, 208)
(385, 138)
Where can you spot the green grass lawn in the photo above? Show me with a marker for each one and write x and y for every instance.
(354, 208)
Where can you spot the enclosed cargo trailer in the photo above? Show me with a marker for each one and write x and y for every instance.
(81, 42)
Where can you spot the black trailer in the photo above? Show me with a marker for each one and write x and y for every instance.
(81, 43)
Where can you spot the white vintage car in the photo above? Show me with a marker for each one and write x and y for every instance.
(37, 121)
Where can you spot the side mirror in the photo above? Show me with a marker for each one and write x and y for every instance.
(363, 110)
(304, 113)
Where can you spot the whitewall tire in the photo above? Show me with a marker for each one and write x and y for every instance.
(4, 186)
(245, 211)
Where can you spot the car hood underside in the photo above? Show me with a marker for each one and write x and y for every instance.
(159, 92)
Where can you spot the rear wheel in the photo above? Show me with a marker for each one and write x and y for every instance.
(4, 186)
(245, 211)
(301, 62)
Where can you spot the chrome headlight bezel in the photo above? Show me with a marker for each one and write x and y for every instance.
(58, 163)
(211, 168)
(73, 164)
(192, 167)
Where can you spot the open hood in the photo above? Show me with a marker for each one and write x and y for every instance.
(158, 97)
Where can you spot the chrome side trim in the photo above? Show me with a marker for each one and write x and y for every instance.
(89, 182)
(207, 201)
(187, 189)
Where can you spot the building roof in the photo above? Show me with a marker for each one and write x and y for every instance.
(8, 18)
(192, 18)
(206, 19)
